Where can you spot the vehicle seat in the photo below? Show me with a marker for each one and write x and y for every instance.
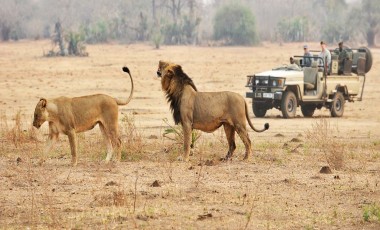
(360, 69)
(310, 76)
(347, 68)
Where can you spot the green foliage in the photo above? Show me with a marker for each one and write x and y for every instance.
(75, 44)
(157, 39)
(293, 29)
(96, 33)
(371, 213)
(235, 25)
(182, 32)
(177, 131)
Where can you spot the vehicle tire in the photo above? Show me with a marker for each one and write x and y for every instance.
(308, 110)
(259, 110)
(368, 58)
(337, 105)
(289, 105)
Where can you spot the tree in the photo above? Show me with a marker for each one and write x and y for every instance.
(235, 25)
(293, 29)
(367, 20)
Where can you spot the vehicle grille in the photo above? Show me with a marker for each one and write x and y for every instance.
(260, 90)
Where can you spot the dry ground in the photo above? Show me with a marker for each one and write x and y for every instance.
(279, 188)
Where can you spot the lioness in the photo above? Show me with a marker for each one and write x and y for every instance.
(78, 114)
(206, 111)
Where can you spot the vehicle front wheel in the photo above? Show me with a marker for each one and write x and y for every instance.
(259, 110)
(289, 105)
(308, 110)
(337, 106)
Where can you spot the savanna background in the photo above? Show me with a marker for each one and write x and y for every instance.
(74, 48)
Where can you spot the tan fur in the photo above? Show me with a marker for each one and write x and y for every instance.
(78, 114)
(206, 111)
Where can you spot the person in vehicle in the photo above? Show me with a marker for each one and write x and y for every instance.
(342, 57)
(293, 65)
(326, 56)
(306, 60)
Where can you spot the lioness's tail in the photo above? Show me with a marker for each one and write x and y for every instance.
(266, 126)
(123, 102)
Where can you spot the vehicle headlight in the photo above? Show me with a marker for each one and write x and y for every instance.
(257, 81)
(277, 82)
(265, 82)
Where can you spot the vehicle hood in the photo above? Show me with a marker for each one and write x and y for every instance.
(289, 75)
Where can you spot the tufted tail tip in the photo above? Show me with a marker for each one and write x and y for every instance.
(266, 126)
(125, 69)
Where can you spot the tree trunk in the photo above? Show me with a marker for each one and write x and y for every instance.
(155, 22)
(371, 34)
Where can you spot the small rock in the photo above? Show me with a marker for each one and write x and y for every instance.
(155, 184)
(191, 168)
(111, 183)
(295, 139)
(279, 135)
(202, 217)
(18, 160)
(325, 170)
(209, 163)
(152, 137)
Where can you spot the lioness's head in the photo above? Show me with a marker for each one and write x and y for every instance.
(40, 113)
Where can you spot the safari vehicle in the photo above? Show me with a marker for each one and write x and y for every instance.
(289, 86)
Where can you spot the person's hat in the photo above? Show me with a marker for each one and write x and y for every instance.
(305, 47)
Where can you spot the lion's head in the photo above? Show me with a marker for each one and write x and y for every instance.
(173, 81)
(40, 113)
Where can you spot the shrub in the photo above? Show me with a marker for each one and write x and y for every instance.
(235, 25)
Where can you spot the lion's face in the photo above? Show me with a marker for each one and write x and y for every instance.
(40, 113)
(165, 72)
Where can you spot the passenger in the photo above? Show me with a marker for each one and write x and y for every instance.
(305, 60)
(293, 65)
(326, 56)
(342, 57)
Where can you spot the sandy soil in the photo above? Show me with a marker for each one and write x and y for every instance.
(280, 188)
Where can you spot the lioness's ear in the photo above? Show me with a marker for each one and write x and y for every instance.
(43, 102)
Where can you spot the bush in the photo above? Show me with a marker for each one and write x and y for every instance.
(235, 25)
(293, 29)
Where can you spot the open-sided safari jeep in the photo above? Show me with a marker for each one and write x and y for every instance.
(290, 86)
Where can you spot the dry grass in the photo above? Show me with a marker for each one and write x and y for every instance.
(322, 136)
(280, 187)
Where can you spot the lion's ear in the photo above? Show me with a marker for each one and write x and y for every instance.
(169, 73)
(43, 102)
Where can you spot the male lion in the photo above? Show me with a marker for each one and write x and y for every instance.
(206, 111)
(78, 114)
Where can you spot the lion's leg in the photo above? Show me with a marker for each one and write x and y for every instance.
(108, 142)
(73, 145)
(230, 134)
(187, 140)
(243, 134)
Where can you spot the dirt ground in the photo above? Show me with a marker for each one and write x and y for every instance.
(280, 187)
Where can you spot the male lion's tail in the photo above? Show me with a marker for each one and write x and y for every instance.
(122, 102)
(266, 126)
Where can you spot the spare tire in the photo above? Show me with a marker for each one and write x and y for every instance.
(368, 58)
